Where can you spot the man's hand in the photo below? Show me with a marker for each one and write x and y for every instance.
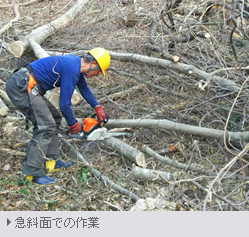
(100, 112)
(76, 128)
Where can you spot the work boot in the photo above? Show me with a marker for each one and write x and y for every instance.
(41, 180)
(53, 166)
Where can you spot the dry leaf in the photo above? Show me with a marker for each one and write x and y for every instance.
(174, 147)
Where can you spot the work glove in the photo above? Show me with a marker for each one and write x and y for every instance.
(100, 112)
(76, 128)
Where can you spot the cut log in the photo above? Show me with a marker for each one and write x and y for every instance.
(130, 152)
(175, 59)
(54, 97)
(3, 108)
(39, 35)
(76, 98)
(204, 35)
(150, 175)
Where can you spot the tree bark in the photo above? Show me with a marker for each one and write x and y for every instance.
(128, 151)
(179, 127)
(186, 69)
(39, 35)
(150, 175)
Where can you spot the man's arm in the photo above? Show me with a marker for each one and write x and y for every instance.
(66, 92)
(86, 93)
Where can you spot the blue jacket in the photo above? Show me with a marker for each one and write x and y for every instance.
(68, 68)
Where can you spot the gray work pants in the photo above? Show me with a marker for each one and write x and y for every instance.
(44, 117)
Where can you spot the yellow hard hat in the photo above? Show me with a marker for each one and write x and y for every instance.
(102, 57)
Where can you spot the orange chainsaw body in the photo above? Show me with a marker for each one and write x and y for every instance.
(93, 130)
(88, 123)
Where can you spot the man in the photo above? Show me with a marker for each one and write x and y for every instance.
(26, 89)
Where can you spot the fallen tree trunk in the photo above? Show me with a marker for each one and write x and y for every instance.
(179, 127)
(150, 175)
(98, 174)
(38, 50)
(186, 69)
(39, 35)
(128, 151)
(179, 165)
(54, 97)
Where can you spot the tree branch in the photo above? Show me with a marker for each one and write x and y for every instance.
(98, 174)
(17, 17)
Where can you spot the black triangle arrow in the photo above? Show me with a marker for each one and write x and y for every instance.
(8, 221)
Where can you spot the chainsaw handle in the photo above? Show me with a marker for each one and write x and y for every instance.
(96, 126)
(76, 135)
(105, 120)
(84, 134)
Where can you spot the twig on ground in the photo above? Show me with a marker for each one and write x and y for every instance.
(227, 166)
(98, 174)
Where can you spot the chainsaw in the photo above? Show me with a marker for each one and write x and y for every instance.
(92, 130)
